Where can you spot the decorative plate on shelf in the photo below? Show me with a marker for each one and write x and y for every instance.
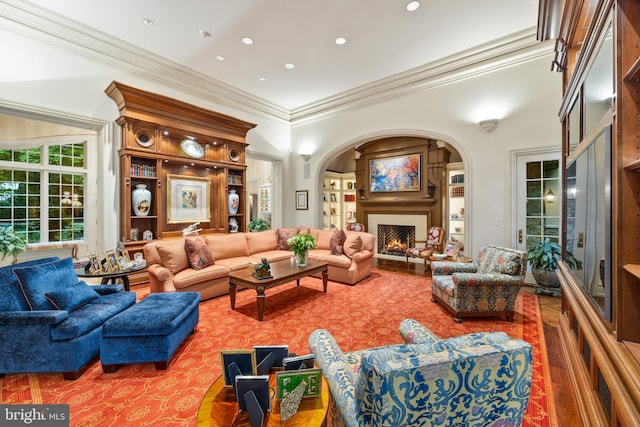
(192, 148)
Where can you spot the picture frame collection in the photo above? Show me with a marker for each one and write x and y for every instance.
(114, 260)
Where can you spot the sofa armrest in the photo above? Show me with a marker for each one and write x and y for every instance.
(413, 332)
(161, 273)
(362, 255)
(107, 289)
(338, 373)
(41, 317)
(447, 267)
(481, 279)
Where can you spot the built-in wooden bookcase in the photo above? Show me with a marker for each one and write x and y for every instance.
(600, 334)
(164, 139)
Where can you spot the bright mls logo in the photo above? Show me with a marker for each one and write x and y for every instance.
(34, 415)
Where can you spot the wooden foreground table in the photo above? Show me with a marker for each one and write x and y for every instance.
(282, 272)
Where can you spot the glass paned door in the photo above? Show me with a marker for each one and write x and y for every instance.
(538, 199)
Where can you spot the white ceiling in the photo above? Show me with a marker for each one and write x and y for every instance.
(383, 39)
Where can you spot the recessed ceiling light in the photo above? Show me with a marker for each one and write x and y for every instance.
(413, 5)
(220, 58)
(147, 21)
(341, 40)
(263, 78)
(247, 40)
(204, 33)
(289, 66)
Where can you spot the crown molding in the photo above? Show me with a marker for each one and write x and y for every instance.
(501, 53)
(42, 25)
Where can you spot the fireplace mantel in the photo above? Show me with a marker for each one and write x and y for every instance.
(395, 203)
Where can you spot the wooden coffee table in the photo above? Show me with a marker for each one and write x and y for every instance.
(220, 409)
(282, 272)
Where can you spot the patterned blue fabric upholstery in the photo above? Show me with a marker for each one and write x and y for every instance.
(476, 379)
(486, 287)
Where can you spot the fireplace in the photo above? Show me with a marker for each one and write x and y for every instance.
(395, 239)
(394, 232)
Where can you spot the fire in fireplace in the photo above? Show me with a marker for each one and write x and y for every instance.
(395, 239)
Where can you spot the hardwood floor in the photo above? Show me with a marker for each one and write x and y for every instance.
(566, 407)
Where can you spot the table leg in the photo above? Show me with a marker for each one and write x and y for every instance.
(325, 276)
(260, 301)
(125, 282)
(232, 295)
(298, 282)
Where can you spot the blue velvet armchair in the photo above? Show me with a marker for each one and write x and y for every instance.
(486, 287)
(481, 379)
(49, 320)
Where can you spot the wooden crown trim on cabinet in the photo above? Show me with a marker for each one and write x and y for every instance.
(156, 131)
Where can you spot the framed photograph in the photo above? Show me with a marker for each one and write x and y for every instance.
(188, 199)
(301, 200)
(94, 263)
(287, 381)
(400, 173)
(111, 260)
(451, 250)
(125, 254)
(241, 361)
(133, 236)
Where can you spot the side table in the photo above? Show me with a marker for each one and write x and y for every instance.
(112, 276)
(219, 408)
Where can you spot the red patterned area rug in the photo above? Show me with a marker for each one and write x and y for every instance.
(361, 316)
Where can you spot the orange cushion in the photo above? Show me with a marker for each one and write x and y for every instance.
(227, 245)
(173, 256)
(261, 241)
(198, 254)
(352, 244)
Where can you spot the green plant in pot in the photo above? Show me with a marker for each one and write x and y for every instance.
(10, 242)
(543, 258)
(259, 224)
(300, 244)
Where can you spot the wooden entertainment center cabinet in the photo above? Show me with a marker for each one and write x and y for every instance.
(598, 46)
(167, 143)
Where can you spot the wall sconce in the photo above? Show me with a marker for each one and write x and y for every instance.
(305, 157)
(431, 190)
(488, 125)
(550, 196)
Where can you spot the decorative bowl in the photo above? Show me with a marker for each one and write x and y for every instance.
(439, 256)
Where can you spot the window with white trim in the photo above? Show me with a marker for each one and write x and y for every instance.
(42, 191)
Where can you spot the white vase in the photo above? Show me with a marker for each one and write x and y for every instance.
(234, 202)
(141, 200)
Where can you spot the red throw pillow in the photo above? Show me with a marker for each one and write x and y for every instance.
(198, 253)
(283, 235)
(337, 242)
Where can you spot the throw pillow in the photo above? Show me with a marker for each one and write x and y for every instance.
(337, 242)
(41, 278)
(72, 297)
(285, 234)
(173, 256)
(352, 245)
(198, 254)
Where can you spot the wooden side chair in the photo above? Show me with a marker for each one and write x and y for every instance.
(424, 248)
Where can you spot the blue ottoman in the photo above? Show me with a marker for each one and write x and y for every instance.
(149, 331)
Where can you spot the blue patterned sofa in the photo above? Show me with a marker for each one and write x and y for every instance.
(486, 287)
(481, 379)
(49, 320)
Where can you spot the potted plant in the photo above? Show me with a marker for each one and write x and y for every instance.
(543, 258)
(300, 244)
(259, 224)
(10, 242)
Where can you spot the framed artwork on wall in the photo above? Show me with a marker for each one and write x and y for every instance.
(301, 200)
(188, 199)
(399, 173)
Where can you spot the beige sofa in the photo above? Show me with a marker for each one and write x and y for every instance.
(169, 269)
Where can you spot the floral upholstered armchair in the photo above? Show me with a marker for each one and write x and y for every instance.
(476, 379)
(486, 287)
(424, 248)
